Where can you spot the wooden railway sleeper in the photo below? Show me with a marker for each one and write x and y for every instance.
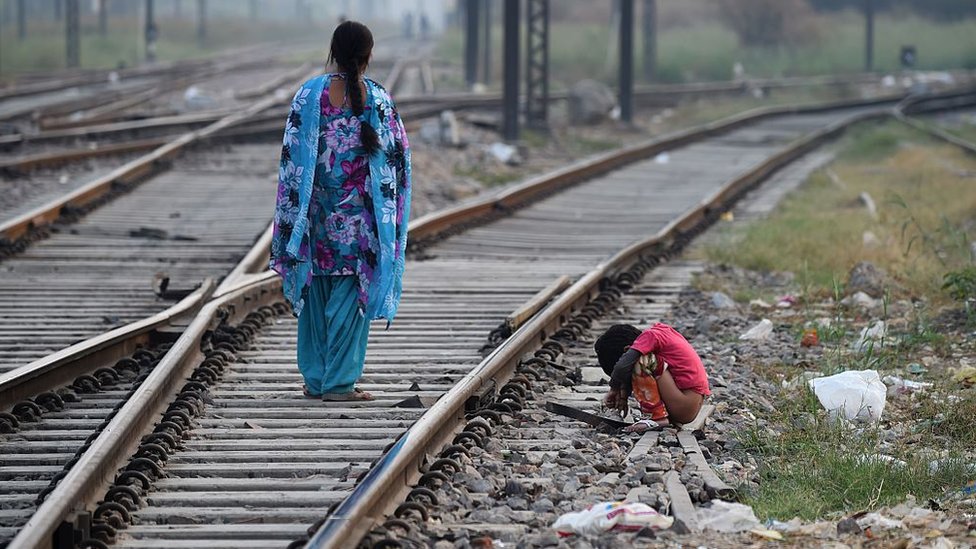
(146, 465)
(103, 532)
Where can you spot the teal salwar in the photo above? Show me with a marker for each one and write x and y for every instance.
(332, 335)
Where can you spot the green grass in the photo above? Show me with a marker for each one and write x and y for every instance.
(816, 468)
(44, 47)
(708, 50)
(925, 206)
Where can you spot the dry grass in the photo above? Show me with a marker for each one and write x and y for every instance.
(923, 193)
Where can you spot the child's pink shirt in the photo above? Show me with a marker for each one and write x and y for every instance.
(683, 362)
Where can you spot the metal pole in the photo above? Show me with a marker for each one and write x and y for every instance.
(102, 17)
(21, 20)
(649, 30)
(72, 34)
(510, 96)
(201, 21)
(57, 10)
(626, 60)
(537, 64)
(151, 32)
(471, 41)
(868, 35)
(486, 51)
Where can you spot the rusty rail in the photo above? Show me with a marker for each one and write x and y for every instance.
(391, 478)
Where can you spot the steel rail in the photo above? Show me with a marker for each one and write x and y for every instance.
(84, 483)
(439, 223)
(16, 228)
(917, 105)
(86, 480)
(85, 357)
(391, 478)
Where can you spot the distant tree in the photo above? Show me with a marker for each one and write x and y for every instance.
(769, 22)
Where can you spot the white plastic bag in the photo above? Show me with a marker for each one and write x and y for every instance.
(606, 516)
(858, 394)
(759, 331)
(723, 516)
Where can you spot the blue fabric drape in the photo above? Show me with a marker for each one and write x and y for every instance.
(332, 336)
(388, 193)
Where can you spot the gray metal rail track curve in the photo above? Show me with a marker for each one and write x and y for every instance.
(228, 472)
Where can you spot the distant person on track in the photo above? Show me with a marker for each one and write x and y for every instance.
(659, 367)
(340, 227)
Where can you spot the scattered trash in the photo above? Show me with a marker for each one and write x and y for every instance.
(607, 516)
(969, 489)
(897, 385)
(810, 338)
(875, 520)
(861, 300)
(870, 336)
(504, 153)
(662, 158)
(786, 301)
(759, 303)
(450, 130)
(113, 78)
(868, 202)
(727, 216)
(759, 331)
(722, 301)
(870, 240)
(916, 369)
(858, 394)
(881, 459)
(768, 534)
(964, 374)
(801, 380)
(723, 516)
(194, 98)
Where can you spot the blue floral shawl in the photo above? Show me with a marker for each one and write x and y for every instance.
(388, 196)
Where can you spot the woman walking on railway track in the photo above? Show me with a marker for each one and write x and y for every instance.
(340, 229)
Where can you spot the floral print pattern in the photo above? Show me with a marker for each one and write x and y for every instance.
(348, 217)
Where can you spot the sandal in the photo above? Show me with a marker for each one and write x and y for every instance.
(356, 394)
(309, 394)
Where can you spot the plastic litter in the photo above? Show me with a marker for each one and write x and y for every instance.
(727, 216)
(875, 520)
(916, 369)
(504, 153)
(861, 300)
(662, 158)
(759, 303)
(871, 336)
(897, 385)
(857, 394)
(810, 338)
(768, 534)
(965, 375)
(722, 301)
(759, 331)
(607, 516)
(723, 516)
(786, 301)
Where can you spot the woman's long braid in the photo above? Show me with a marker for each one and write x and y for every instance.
(351, 46)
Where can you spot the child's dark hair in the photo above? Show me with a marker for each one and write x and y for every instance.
(352, 44)
(614, 343)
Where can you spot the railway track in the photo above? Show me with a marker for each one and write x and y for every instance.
(467, 285)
